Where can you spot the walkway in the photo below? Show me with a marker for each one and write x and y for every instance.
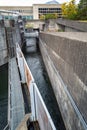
(16, 98)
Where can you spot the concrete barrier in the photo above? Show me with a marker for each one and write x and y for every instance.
(71, 26)
(65, 57)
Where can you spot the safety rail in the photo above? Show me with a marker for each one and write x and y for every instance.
(38, 108)
(9, 93)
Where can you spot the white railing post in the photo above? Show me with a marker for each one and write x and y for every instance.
(33, 102)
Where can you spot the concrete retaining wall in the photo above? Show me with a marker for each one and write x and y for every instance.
(71, 26)
(65, 57)
(51, 25)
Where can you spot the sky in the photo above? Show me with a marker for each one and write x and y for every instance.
(27, 2)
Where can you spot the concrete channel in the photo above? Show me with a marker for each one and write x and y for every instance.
(43, 107)
(37, 67)
(34, 102)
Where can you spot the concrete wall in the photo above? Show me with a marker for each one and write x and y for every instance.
(35, 12)
(51, 25)
(71, 26)
(65, 25)
(65, 57)
(3, 46)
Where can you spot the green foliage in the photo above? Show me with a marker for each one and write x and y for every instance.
(82, 4)
(82, 10)
(42, 17)
(82, 14)
(69, 10)
(51, 16)
(28, 25)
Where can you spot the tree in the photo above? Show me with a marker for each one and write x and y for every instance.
(51, 16)
(42, 17)
(28, 25)
(82, 4)
(82, 10)
(64, 10)
(56, 15)
(69, 10)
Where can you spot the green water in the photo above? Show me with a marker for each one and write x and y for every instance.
(3, 96)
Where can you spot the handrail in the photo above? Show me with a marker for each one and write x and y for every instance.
(9, 92)
(37, 102)
(37, 93)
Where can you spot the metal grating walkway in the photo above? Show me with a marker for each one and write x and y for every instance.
(16, 108)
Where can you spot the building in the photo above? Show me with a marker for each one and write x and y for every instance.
(35, 11)
(25, 11)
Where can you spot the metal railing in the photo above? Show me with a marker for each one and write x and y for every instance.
(9, 93)
(38, 108)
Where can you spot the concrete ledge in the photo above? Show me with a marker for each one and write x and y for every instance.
(16, 102)
(78, 26)
(78, 36)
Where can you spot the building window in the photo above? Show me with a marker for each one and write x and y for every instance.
(44, 11)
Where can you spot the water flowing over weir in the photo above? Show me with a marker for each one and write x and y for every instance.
(38, 70)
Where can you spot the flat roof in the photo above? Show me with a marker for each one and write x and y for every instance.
(16, 6)
(30, 6)
(46, 4)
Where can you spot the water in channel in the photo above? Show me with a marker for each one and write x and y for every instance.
(3, 96)
(36, 65)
